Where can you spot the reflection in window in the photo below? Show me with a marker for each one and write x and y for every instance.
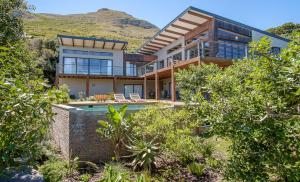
(100, 67)
(82, 66)
(275, 50)
(130, 69)
(70, 65)
(68, 51)
(231, 50)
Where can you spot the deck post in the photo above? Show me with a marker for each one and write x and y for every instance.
(114, 84)
(87, 87)
(173, 87)
(145, 87)
(157, 90)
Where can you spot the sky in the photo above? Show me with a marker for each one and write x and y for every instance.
(262, 14)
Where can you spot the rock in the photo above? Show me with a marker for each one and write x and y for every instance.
(24, 174)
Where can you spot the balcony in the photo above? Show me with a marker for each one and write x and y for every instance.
(89, 70)
(206, 51)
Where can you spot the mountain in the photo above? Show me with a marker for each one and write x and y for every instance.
(286, 30)
(104, 23)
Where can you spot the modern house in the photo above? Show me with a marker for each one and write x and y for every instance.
(98, 66)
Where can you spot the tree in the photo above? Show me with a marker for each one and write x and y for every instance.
(254, 104)
(286, 30)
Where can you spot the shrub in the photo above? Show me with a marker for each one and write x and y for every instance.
(144, 154)
(85, 177)
(110, 174)
(207, 149)
(117, 128)
(196, 169)
(54, 171)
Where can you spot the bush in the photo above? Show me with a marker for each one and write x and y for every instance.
(110, 174)
(85, 177)
(54, 171)
(196, 169)
(207, 149)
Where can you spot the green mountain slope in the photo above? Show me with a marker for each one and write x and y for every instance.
(104, 23)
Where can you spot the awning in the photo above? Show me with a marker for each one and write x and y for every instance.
(181, 25)
(91, 42)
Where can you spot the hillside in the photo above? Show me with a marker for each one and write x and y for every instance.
(104, 23)
(286, 30)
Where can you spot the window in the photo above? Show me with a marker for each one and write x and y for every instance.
(130, 69)
(275, 50)
(93, 53)
(100, 67)
(82, 66)
(231, 50)
(177, 56)
(132, 88)
(70, 65)
(192, 52)
(68, 51)
(161, 64)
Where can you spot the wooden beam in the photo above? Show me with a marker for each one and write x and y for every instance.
(83, 43)
(94, 43)
(145, 87)
(153, 46)
(159, 43)
(150, 52)
(113, 46)
(123, 47)
(73, 42)
(173, 32)
(198, 15)
(114, 84)
(181, 27)
(103, 45)
(146, 48)
(162, 40)
(157, 89)
(87, 87)
(196, 31)
(62, 43)
(167, 36)
(142, 52)
(173, 87)
(189, 22)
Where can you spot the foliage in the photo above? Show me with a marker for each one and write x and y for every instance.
(286, 30)
(254, 104)
(182, 146)
(207, 149)
(11, 24)
(60, 96)
(117, 128)
(56, 170)
(85, 177)
(112, 175)
(196, 168)
(144, 153)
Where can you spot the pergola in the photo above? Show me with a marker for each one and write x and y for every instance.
(91, 42)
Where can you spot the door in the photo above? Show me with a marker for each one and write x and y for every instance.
(132, 88)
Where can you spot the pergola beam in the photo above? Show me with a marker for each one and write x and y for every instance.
(189, 22)
(181, 27)
(173, 32)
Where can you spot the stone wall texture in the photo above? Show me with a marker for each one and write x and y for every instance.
(74, 132)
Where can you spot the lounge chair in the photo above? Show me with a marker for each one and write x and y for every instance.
(120, 98)
(135, 97)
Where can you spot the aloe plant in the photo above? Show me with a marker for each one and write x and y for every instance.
(116, 128)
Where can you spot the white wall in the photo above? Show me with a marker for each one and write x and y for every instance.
(101, 86)
(275, 41)
(75, 85)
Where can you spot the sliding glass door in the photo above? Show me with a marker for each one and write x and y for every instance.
(132, 88)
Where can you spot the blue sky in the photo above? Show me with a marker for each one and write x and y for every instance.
(261, 14)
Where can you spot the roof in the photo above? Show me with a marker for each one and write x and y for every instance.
(184, 23)
(91, 42)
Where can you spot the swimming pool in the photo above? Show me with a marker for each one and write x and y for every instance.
(104, 108)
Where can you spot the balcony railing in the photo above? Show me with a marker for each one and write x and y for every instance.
(198, 48)
(73, 69)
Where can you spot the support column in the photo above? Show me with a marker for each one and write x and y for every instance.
(157, 89)
(114, 84)
(87, 87)
(145, 87)
(173, 85)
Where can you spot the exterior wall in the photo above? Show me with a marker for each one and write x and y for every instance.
(275, 42)
(101, 86)
(76, 85)
(117, 58)
(162, 53)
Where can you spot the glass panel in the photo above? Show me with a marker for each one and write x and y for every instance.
(105, 67)
(94, 53)
(130, 69)
(82, 66)
(70, 65)
(138, 89)
(95, 66)
(127, 90)
(68, 51)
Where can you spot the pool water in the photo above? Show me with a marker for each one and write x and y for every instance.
(104, 108)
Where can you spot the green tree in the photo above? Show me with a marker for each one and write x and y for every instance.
(286, 30)
(254, 104)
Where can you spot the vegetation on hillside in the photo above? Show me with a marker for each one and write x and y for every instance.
(104, 23)
(286, 30)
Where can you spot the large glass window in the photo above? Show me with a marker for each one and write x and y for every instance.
(130, 69)
(69, 65)
(128, 89)
(82, 66)
(100, 66)
(231, 50)
(93, 53)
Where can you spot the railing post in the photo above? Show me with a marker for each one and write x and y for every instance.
(202, 49)
(246, 51)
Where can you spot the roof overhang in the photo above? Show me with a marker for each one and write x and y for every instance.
(91, 42)
(186, 22)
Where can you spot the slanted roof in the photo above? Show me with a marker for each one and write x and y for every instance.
(184, 23)
(91, 42)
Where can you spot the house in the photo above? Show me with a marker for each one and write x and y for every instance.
(94, 66)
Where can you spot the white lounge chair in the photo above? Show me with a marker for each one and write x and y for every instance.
(120, 98)
(135, 97)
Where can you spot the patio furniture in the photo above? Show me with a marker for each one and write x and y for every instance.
(120, 98)
(136, 97)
